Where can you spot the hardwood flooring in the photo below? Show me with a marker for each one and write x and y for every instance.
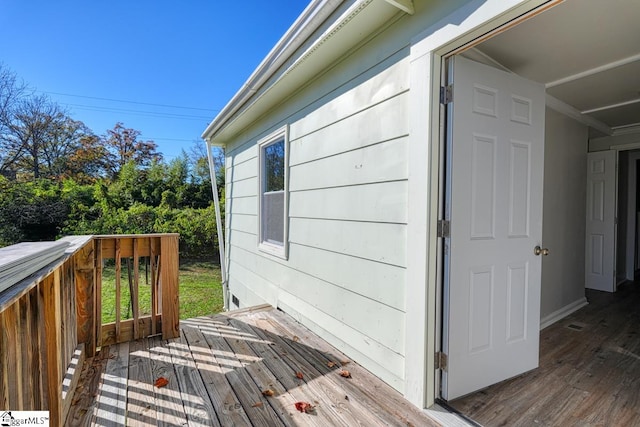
(217, 371)
(589, 372)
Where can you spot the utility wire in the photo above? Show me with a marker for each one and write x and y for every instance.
(118, 110)
(131, 102)
(152, 115)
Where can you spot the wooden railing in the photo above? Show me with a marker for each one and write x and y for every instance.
(51, 321)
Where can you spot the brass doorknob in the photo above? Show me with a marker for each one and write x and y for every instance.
(540, 251)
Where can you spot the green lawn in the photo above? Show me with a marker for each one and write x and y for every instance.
(200, 291)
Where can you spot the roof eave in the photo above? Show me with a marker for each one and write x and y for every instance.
(307, 23)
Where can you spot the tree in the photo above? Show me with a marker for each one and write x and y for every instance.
(11, 91)
(29, 129)
(124, 146)
(89, 162)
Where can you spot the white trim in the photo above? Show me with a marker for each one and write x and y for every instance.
(560, 314)
(446, 418)
(281, 251)
(625, 147)
(612, 106)
(419, 342)
(308, 22)
(596, 70)
(473, 20)
(569, 111)
(632, 128)
(404, 5)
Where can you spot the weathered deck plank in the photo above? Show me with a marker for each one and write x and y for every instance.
(169, 405)
(112, 400)
(377, 397)
(141, 410)
(217, 370)
(197, 404)
(228, 407)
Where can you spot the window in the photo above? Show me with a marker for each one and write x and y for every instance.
(273, 193)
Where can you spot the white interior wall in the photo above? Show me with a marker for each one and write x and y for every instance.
(564, 210)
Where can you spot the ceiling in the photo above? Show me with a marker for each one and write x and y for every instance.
(586, 52)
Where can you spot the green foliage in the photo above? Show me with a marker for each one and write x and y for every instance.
(57, 177)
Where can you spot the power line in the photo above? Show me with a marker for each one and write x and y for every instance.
(131, 102)
(118, 110)
(143, 114)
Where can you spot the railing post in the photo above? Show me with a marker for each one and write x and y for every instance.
(85, 297)
(169, 281)
(52, 323)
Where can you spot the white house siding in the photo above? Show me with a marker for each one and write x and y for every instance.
(564, 216)
(345, 276)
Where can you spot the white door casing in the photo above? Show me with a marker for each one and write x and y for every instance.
(491, 309)
(601, 230)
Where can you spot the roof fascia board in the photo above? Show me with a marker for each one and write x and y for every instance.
(355, 24)
(309, 21)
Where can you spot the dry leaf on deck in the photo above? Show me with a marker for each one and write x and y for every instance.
(295, 338)
(268, 392)
(257, 405)
(161, 382)
(331, 364)
(345, 373)
(299, 375)
(305, 407)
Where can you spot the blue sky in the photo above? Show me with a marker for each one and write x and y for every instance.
(193, 53)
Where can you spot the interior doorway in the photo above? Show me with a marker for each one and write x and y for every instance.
(628, 209)
(591, 80)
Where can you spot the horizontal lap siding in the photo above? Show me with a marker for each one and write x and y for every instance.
(345, 276)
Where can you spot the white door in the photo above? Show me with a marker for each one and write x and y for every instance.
(601, 228)
(494, 204)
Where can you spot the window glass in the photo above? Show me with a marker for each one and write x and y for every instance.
(274, 166)
(273, 194)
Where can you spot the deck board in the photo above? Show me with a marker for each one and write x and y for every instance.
(217, 370)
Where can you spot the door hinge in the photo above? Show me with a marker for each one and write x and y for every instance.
(444, 228)
(441, 361)
(446, 94)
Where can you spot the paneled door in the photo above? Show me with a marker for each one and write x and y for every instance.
(495, 156)
(601, 229)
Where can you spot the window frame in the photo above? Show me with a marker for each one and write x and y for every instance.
(281, 251)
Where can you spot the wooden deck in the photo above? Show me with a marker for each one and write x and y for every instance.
(217, 371)
(589, 372)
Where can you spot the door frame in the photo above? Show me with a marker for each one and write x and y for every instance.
(632, 233)
(423, 292)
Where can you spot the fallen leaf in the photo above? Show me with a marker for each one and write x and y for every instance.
(345, 373)
(305, 407)
(257, 405)
(299, 375)
(268, 392)
(331, 364)
(345, 362)
(161, 382)
(295, 338)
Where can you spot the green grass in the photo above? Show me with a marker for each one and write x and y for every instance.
(200, 291)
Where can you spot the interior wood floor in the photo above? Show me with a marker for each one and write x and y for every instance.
(589, 372)
(217, 371)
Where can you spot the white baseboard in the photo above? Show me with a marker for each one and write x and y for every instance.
(562, 313)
